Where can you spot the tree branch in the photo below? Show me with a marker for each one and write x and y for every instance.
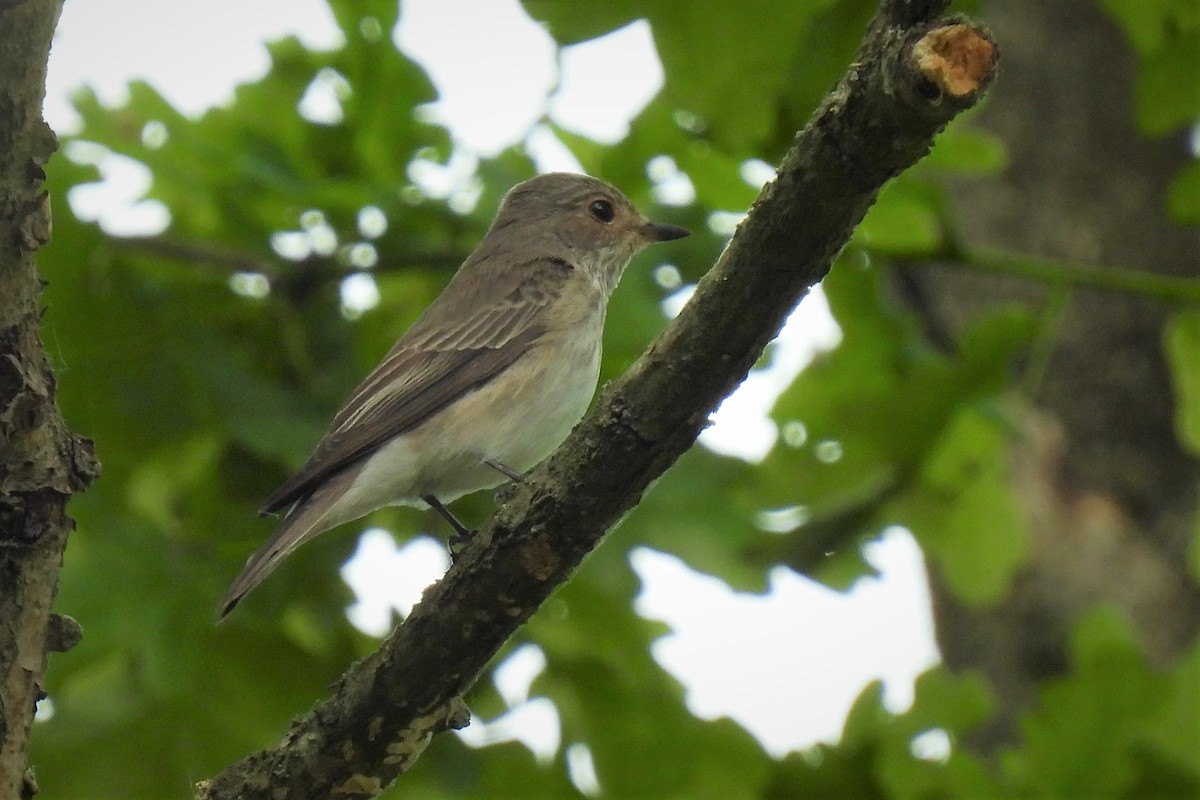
(222, 258)
(911, 76)
(292, 278)
(41, 462)
(1057, 272)
(230, 260)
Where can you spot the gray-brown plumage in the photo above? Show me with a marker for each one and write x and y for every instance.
(489, 379)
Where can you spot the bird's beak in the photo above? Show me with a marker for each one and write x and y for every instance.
(661, 232)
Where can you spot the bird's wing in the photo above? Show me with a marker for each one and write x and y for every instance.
(439, 360)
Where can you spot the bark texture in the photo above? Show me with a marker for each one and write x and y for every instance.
(1108, 490)
(41, 462)
(913, 73)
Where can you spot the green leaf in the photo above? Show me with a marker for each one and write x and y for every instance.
(695, 512)
(730, 89)
(964, 511)
(964, 149)
(867, 716)
(614, 698)
(877, 756)
(1166, 34)
(1193, 550)
(1168, 95)
(904, 221)
(951, 705)
(1182, 337)
(1080, 737)
(872, 411)
(1174, 730)
(199, 399)
(1150, 23)
(1183, 198)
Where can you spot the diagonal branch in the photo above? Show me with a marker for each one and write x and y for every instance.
(912, 75)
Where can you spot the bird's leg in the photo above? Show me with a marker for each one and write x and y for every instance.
(508, 472)
(462, 534)
(505, 492)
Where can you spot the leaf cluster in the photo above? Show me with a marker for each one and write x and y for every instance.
(204, 363)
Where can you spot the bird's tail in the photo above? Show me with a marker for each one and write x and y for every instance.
(307, 518)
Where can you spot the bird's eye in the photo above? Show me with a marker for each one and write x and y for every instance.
(602, 210)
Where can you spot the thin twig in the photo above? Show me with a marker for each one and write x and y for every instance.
(1054, 272)
(314, 269)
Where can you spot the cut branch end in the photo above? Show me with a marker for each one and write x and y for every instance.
(959, 59)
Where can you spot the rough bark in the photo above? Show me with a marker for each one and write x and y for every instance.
(912, 75)
(1109, 492)
(41, 462)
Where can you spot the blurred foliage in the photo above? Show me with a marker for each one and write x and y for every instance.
(1166, 36)
(1183, 343)
(202, 392)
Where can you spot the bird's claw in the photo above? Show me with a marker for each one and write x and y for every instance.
(458, 541)
(505, 493)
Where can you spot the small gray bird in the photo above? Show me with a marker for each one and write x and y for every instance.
(490, 378)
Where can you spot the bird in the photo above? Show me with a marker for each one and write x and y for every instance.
(489, 379)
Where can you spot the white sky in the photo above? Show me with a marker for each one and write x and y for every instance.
(786, 666)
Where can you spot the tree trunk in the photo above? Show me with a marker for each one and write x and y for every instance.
(1108, 490)
(41, 462)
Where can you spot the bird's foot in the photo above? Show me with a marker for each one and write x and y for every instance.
(506, 471)
(458, 541)
(504, 493)
(462, 535)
